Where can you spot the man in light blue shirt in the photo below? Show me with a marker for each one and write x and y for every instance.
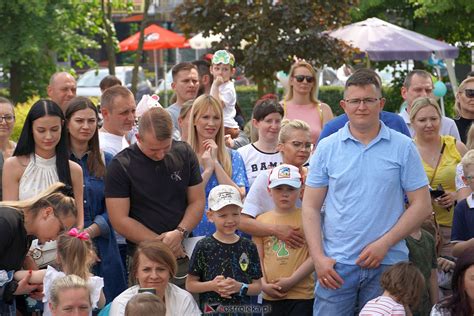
(361, 173)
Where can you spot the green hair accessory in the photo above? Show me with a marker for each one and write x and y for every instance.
(223, 57)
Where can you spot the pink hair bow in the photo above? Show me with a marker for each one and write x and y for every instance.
(74, 232)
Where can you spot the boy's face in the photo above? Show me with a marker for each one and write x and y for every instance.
(285, 196)
(468, 176)
(222, 70)
(227, 219)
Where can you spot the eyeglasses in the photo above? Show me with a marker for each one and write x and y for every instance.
(366, 101)
(62, 227)
(300, 145)
(301, 78)
(469, 178)
(469, 93)
(8, 118)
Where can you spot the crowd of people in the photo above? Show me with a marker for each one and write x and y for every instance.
(183, 211)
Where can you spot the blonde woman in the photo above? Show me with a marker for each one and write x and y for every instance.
(464, 107)
(219, 165)
(440, 156)
(300, 101)
(70, 295)
(44, 216)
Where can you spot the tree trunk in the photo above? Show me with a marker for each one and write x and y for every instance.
(139, 51)
(109, 35)
(15, 82)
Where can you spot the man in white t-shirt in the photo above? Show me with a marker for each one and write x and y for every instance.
(185, 85)
(118, 109)
(418, 83)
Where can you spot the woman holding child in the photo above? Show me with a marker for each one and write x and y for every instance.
(44, 216)
(219, 165)
(440, 156)
(294, 144)
(301, 103)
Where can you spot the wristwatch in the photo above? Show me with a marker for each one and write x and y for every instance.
(244, 289)
(183, 231)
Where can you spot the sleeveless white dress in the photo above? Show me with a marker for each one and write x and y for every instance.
(40, 174)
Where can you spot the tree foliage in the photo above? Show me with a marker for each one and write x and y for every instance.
(138, 53)
(36, 34)
(265, 35)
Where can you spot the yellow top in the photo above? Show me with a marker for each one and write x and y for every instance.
(281, 261)
(445, 175)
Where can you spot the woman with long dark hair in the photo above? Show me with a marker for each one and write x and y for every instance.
(41, 158)
(81, 121)
(461, 302)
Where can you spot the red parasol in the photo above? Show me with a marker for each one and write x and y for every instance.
(156, 37)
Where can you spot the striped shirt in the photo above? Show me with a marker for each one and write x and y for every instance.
(382, 305)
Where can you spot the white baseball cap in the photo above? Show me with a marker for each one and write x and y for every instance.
(223, 195)
(285, 174)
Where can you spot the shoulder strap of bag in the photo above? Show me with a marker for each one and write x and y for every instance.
(438, 162)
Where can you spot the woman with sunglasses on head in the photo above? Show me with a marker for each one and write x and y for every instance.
(300, 101)
(464, 107)
(41, 158)
(7, 121)
(440, 156)
(44, 216)
(81, 121)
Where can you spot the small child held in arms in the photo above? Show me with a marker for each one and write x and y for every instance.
(224, 268)
(403, 285)
(288, 280)
(462, 233)
(222, 69)
(75, 256)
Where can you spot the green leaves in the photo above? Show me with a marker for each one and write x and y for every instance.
(274, 31)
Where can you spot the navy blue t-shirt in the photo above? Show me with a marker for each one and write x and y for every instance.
(238, 261)
(392, 120)
(463, 222)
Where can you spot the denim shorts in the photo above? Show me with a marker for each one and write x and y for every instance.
(360, 286)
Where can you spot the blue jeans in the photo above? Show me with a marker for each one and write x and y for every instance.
(360, 286)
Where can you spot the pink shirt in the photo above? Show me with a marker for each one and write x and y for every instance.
(382, 305)
(308, 113)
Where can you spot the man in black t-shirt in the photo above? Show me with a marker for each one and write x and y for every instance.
(154, 188)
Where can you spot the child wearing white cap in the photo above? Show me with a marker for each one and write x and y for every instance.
(288, 280)
(224, 268)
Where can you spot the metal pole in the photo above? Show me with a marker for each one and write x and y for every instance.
(156, 69)
(164, 80)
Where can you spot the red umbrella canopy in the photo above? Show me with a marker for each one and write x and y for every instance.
(156, 37)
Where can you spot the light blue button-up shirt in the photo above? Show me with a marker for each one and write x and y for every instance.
(366, 185)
